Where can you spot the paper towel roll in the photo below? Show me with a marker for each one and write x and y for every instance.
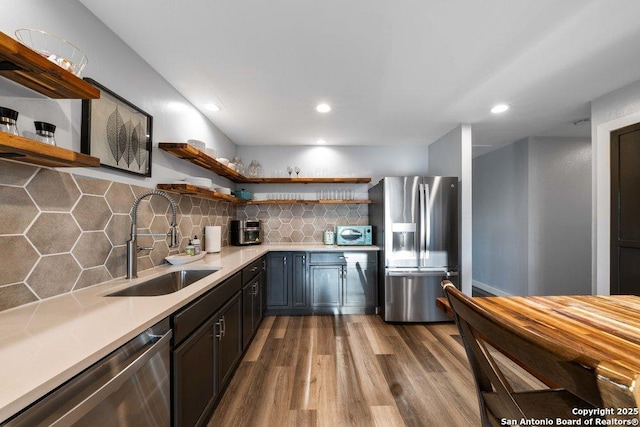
(212, 238)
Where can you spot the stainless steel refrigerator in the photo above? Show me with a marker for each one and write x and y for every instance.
(415, 223)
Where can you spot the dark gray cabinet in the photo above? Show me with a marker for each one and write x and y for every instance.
(252, 307)
(278, 279)
(228, 329)
(322, 282)
(360, 284)
(193, 383)
(207, 347)
(325, 282)
(299, 280)
(286, 288)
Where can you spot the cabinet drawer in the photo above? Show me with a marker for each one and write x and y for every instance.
(189, 318)
(250, 271)
(368, 257)
(327, 258)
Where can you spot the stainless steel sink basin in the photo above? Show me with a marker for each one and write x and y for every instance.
(163, 285)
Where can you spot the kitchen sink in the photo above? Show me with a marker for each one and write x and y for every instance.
(163, 285)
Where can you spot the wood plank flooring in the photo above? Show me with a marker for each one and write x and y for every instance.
(351, 370)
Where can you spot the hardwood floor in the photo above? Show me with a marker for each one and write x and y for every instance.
(351, 370)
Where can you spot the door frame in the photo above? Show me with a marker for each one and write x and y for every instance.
(614, 201)
(601, 205)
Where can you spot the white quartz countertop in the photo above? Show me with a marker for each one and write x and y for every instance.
(46, 343)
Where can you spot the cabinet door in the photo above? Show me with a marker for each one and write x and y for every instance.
(230, 342)
(248, 303)
(360, 285)
(299, 280)
(325, 285)
(193, 376)
(251, 308)
(278, 274)
(257, 301)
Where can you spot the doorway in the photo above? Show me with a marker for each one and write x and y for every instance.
(625, 210)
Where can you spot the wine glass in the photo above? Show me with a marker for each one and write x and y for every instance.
(297, 172)
(289, 169)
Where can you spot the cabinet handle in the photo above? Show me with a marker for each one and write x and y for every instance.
(304, 259)
(224, 326)
(255, 289)
(285, 261)
(254, 269)
(219, 334)
(264, 265)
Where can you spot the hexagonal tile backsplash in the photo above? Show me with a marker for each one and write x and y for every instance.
(61, 232)
(300, 223)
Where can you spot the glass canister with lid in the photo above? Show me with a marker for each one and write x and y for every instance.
(8, 121)
(44, 132)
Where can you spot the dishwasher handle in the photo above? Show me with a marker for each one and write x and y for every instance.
(78, 411)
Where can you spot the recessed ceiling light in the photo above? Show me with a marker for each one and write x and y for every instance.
(321, 141)
(212, 107)
(323, 108)
(500, 108)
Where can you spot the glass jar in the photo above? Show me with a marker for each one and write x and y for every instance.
(44, 132)
(251, 170)
(8, 119)
(239, 165)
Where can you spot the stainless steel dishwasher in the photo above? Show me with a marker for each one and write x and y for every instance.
(128, 387)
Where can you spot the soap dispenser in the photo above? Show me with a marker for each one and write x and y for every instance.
(190, 249)
(196, 245)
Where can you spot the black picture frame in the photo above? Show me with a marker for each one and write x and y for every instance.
(117, 132)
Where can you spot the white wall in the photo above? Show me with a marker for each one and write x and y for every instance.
(532, 218)
(612, 111)
(113, 64)
(334, 161)
(451, 156)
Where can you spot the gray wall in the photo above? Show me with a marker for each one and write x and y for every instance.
(335, 161)
(500, 220)
(450, 155)
(532, 218)
(559, 216)
(116, 66)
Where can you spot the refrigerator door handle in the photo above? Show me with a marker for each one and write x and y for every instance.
(400, 273)
(421, 235)
(425, 223)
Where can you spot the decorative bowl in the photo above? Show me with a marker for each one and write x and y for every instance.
(243, 194)
(54, 48)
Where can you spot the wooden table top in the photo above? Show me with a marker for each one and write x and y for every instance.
(605, 329)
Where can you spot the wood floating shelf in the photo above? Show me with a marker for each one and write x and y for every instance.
(202, 159)
(35, 152)
(307, 180)
(192, 190)
(30, 69)
(307, 202)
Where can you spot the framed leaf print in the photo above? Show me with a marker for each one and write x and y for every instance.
(117, 132)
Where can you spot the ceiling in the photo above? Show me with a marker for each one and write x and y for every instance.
(394, 72)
